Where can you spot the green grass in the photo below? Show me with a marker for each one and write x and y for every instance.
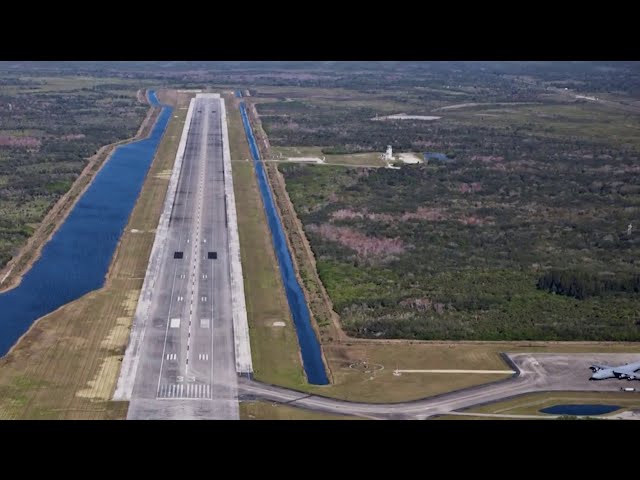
(74, 82)
(356, 159)
(67, 364)
(58, 187)
(466, 417)
(275, 411)
(580, 120)
(532, 404)
(274, 350)
(279, 152)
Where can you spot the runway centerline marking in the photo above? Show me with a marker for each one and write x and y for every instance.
(179, 245)
(197, 235)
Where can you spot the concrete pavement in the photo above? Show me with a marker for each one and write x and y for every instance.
(182, 353)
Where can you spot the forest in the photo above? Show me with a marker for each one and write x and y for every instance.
(49, 128)
(525, 230)
(462, 251)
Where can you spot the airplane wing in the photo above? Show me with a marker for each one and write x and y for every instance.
(595, 368)
(627, 371)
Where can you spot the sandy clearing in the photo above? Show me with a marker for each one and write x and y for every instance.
(404, 116)
(409, 158)
(118, 334)
(306, 159)
(473, 104)
(100, 387)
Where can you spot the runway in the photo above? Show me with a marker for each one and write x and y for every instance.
(184, 365)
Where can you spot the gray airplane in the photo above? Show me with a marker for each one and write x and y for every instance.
(630, 371)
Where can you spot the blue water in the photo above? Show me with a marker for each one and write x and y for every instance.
(436, 155)
(580, 409)
(77, 258)
(309, 345)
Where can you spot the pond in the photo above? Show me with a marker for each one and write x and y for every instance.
(580, 409)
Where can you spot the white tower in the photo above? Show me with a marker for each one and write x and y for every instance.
(389, 154)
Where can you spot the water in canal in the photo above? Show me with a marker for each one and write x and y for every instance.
(77, 258)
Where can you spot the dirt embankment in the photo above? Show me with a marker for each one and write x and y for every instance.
(258, 131)
(11, 275)
(304, 260)
(324, 320)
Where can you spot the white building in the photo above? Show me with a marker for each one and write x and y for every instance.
(388, 156)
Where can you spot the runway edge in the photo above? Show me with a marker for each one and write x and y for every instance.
(129, 367)
(244, 365)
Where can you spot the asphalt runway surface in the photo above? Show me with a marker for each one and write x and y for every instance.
(186, 368)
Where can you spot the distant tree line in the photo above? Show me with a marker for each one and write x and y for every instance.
(581, 284)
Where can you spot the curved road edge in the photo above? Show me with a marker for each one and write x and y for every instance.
(534, 373)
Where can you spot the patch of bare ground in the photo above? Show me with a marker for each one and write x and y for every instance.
(350, 236)
(367, 247)
(20, 141)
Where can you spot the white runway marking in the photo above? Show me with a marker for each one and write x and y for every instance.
(180, 299)
(203, 356)
(502, 372)
(175, 323)
(172, 356)
(190, 390)
(204, 323)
